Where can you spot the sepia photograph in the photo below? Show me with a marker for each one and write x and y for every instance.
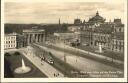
(64, 39)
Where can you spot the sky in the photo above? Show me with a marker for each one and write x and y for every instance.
(45, 12)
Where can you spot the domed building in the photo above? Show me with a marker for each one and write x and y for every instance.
(97, 19)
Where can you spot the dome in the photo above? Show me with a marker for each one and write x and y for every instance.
(97, 18)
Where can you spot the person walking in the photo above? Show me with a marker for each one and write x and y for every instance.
(41, 59)
(54, 75)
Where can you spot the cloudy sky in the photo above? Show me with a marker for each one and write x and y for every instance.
(45, 12)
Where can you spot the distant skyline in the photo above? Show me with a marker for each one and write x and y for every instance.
(44, 12)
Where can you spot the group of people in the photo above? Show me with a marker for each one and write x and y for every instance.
(56, 74)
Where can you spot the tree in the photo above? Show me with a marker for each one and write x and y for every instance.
(8, 73)
(16, 53)
(7, 54)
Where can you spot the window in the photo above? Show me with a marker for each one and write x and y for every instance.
(121, 42)
(119, 29)
(120, 48)
(116, 42)
(116, 47)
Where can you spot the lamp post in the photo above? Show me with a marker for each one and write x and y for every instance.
(76, 52)
(65, 58)
(77, 41)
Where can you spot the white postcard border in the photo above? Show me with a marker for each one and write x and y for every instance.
(61, 79)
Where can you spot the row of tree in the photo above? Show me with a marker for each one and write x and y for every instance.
(49, 28)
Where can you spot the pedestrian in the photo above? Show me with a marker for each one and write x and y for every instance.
(41, 59)
(54, 74)
(58, 74)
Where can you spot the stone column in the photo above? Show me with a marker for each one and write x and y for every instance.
(38, 38)
(43, 37)
(28, 39)
(32, 38)
(35, 37)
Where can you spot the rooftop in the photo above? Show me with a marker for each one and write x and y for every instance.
(97, 18)
(11, 34)
(33, 30)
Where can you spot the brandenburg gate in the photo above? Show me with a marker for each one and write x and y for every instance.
(34, 35)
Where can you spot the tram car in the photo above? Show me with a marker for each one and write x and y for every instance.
(47, 56)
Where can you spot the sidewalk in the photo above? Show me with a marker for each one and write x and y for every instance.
(61, 45)
(44, 67)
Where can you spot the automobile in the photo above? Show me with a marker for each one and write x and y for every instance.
(51, 61)
(47, 57)
(17, 53)
(75, 44)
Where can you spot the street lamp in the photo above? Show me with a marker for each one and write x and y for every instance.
(76, 51)
(64, 53)
(65, 58)
(77, 41)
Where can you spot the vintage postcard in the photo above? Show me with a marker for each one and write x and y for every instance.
(64, 41)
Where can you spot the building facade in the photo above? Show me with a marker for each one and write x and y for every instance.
(102, 35)
(86, 36)
(67, 38)
(117, 42)
(13, 41)
(10, 41)
(97, 32)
